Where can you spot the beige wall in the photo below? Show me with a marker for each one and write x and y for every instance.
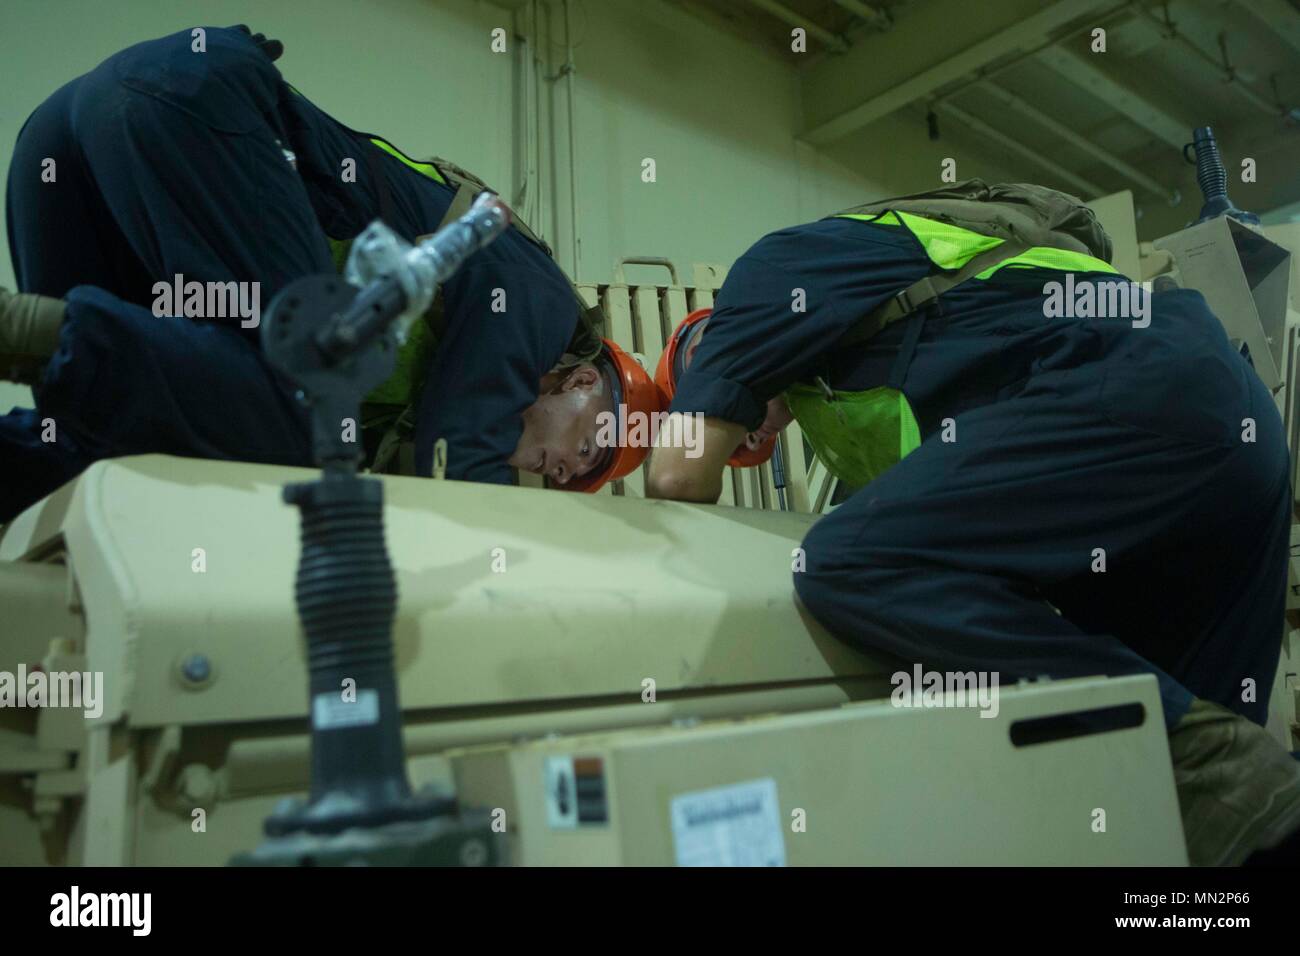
(378, 65)
(716, 114)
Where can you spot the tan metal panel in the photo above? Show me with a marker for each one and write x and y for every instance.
(706, 275)
(618, 312)
(668, 573)
(743, 497)
(699, 299)
(1020, 805)
(796, 469)
(674, 309)
(590, 294)
(648, 322)
(754, 480)
(767, 481)
(822, 484)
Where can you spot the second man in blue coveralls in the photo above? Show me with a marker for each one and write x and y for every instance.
(1044, 443)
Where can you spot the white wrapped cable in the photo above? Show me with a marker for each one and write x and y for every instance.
(379, 253)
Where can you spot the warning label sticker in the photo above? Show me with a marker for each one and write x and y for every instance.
(331, 712)
(736, 825)
(575, 792)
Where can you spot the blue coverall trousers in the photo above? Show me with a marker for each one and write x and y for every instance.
(1143, 493)
(169, 162)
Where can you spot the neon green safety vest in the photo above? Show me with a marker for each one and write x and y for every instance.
(413, 356)
(388, 398)
(860, 435)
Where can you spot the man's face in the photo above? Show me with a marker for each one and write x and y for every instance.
(559, 439)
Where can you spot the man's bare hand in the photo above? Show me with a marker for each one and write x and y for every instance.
(687, 465)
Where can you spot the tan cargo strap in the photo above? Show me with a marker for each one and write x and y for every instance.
(396, 450)
(586, 343)
(467, 187)
(465, 193)
(440, 459)
(926, 291)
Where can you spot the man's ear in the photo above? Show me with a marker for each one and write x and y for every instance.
(584, 377)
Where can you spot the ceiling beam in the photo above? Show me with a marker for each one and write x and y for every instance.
(863, 11)
(1226, 73)
(1279, 16)
(796, 19)
(1085, 187)
(1026, 33)
(1142, 111)
(1081, 143)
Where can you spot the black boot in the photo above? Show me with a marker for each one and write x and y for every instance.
(1239, 790)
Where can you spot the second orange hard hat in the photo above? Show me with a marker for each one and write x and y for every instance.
(673, 362)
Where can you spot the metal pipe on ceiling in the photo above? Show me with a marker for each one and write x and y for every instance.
(796, 19)
(877, 18)
(1227, 74)
(987, 74)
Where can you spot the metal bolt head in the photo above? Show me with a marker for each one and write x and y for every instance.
(473, 852)
(196, 668)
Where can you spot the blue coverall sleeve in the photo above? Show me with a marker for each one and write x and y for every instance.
(783, 306)
(488, 365)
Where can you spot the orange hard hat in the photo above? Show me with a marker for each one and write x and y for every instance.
(672, 363)
(634, 391)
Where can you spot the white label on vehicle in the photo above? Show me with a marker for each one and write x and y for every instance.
(561, 793)
(331, 712)
(736, 825)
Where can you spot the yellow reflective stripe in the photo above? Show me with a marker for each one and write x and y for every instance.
(888, 219)
(426, 169)
(951, 247)
(909, 438)
(1046, 257)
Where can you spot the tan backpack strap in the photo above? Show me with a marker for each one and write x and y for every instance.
(925, 291)
(586, 343)
(464, 198)
(396, 451)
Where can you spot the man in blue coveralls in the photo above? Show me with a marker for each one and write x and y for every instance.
(1084, 496)
(191, 156)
